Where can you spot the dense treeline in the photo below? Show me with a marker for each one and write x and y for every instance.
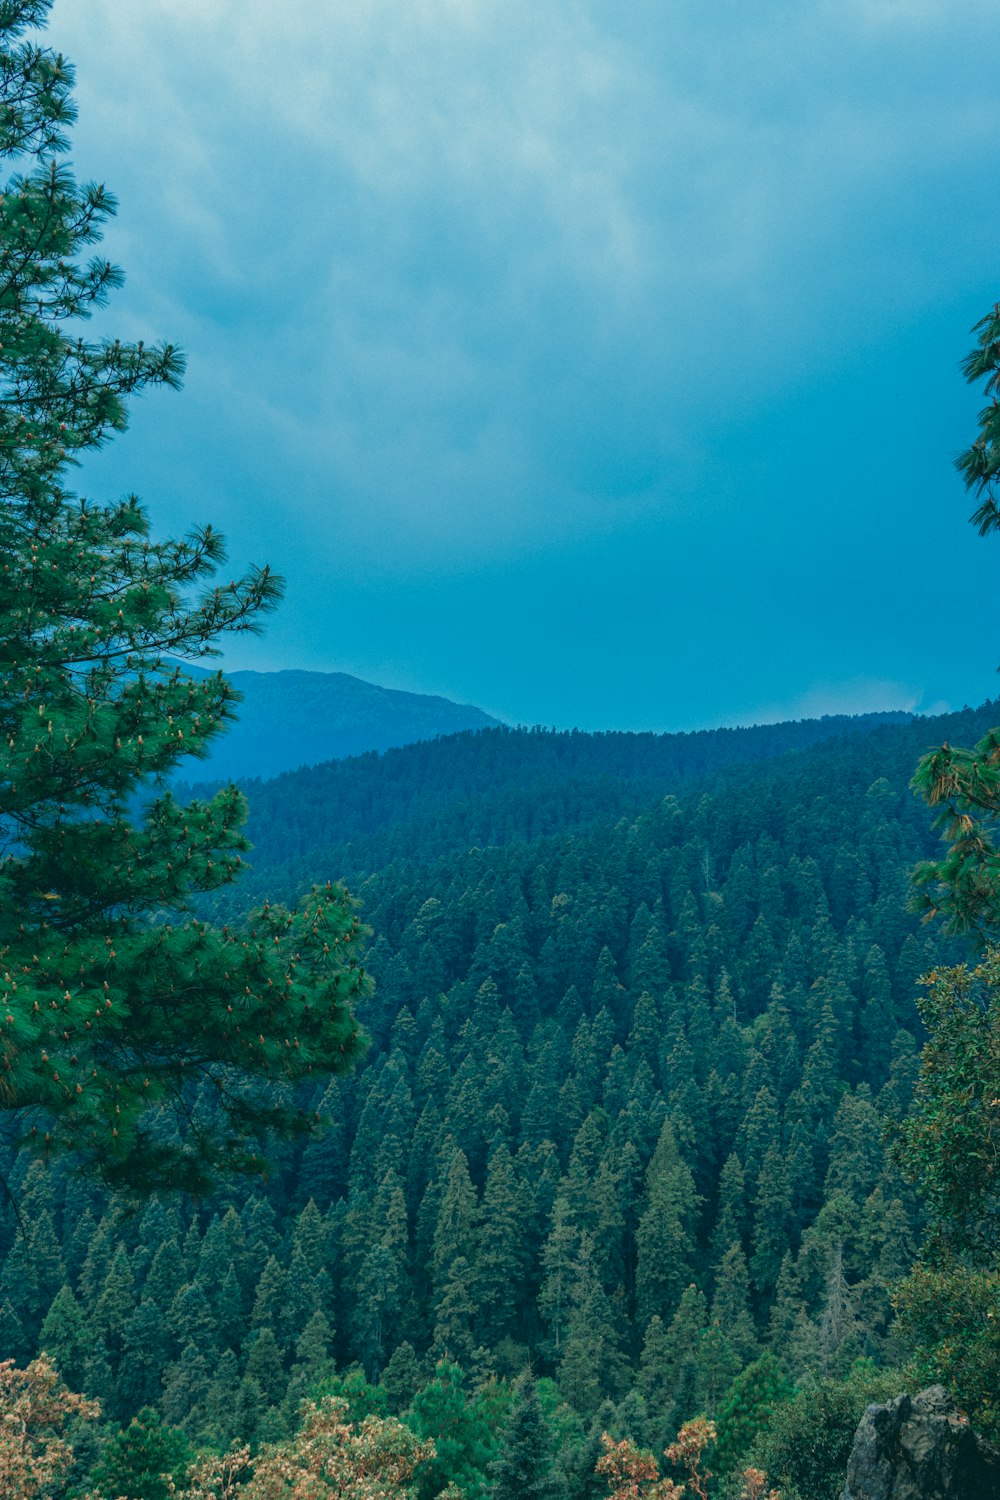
(623, 1116)
(346, 819)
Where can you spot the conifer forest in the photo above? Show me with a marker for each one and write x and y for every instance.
(517, 1113)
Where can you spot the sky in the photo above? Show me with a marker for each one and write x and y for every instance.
(592, 362)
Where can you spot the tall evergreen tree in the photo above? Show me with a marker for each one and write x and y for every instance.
(665, 1236)
(521, 1468)
(112, 1012)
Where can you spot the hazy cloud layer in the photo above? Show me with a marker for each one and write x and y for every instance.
(591, 362)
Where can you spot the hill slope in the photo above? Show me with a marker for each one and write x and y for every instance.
(350, 817)
(643, 1014)
(292, 719)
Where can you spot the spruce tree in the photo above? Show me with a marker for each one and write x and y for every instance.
(105, 1012)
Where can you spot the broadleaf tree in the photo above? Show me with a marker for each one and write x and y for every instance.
(116, 1003)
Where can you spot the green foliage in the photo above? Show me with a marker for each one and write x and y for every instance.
(521, 1469)
(964, 785)
(491, 1163)
(949, 1302)
(745, 1410)
(949, 1140)
(463, 1438)
(807, 1442)
(440, 1134)
(140, 1462)
(980, 464)
(112, 999)
(950, 1314)
(360, 1398)
(66, 1338)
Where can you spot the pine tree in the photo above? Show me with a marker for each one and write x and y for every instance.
(269, 1301)
(454, 1312)
(746, 1409)
(264, 1365)
(379, 1291)
(461, 1437)
(112, 1013)
(559, 1260)
(230, 1314)
(682, 1344)
(839, 1326)
(313, 1362)
(194, 1321)
(185, 1386)
(771, 1216)
(457, 1220)
(145, 1351)
(221, 1400)
(116, 1303)
(731, 1214)
(165, 1277)
(715, 1365)
(592, 1364)
(140, 1462)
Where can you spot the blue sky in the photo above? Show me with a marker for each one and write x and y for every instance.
(592, 362)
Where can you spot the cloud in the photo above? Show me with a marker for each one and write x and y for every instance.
(485, 267)
(469, 287)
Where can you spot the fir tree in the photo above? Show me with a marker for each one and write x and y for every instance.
(66, 1338)
(497, 1268)
(521, 1468)
(313, 1362)
(665, 1236)
(731, 1304)
(145, 1351)
(770, 1232)
(401, 1377)
(265, 1366)
(221, 1400)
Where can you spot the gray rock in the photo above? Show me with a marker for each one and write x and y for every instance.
(920, 1448)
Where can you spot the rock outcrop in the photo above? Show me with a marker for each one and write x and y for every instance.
(920, 1448)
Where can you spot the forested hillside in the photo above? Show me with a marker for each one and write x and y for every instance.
(427, 799)
(644, 1009)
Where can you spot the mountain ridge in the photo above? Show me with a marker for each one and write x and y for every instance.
(294, 718)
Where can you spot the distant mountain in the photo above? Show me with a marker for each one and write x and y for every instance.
(293, 719)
